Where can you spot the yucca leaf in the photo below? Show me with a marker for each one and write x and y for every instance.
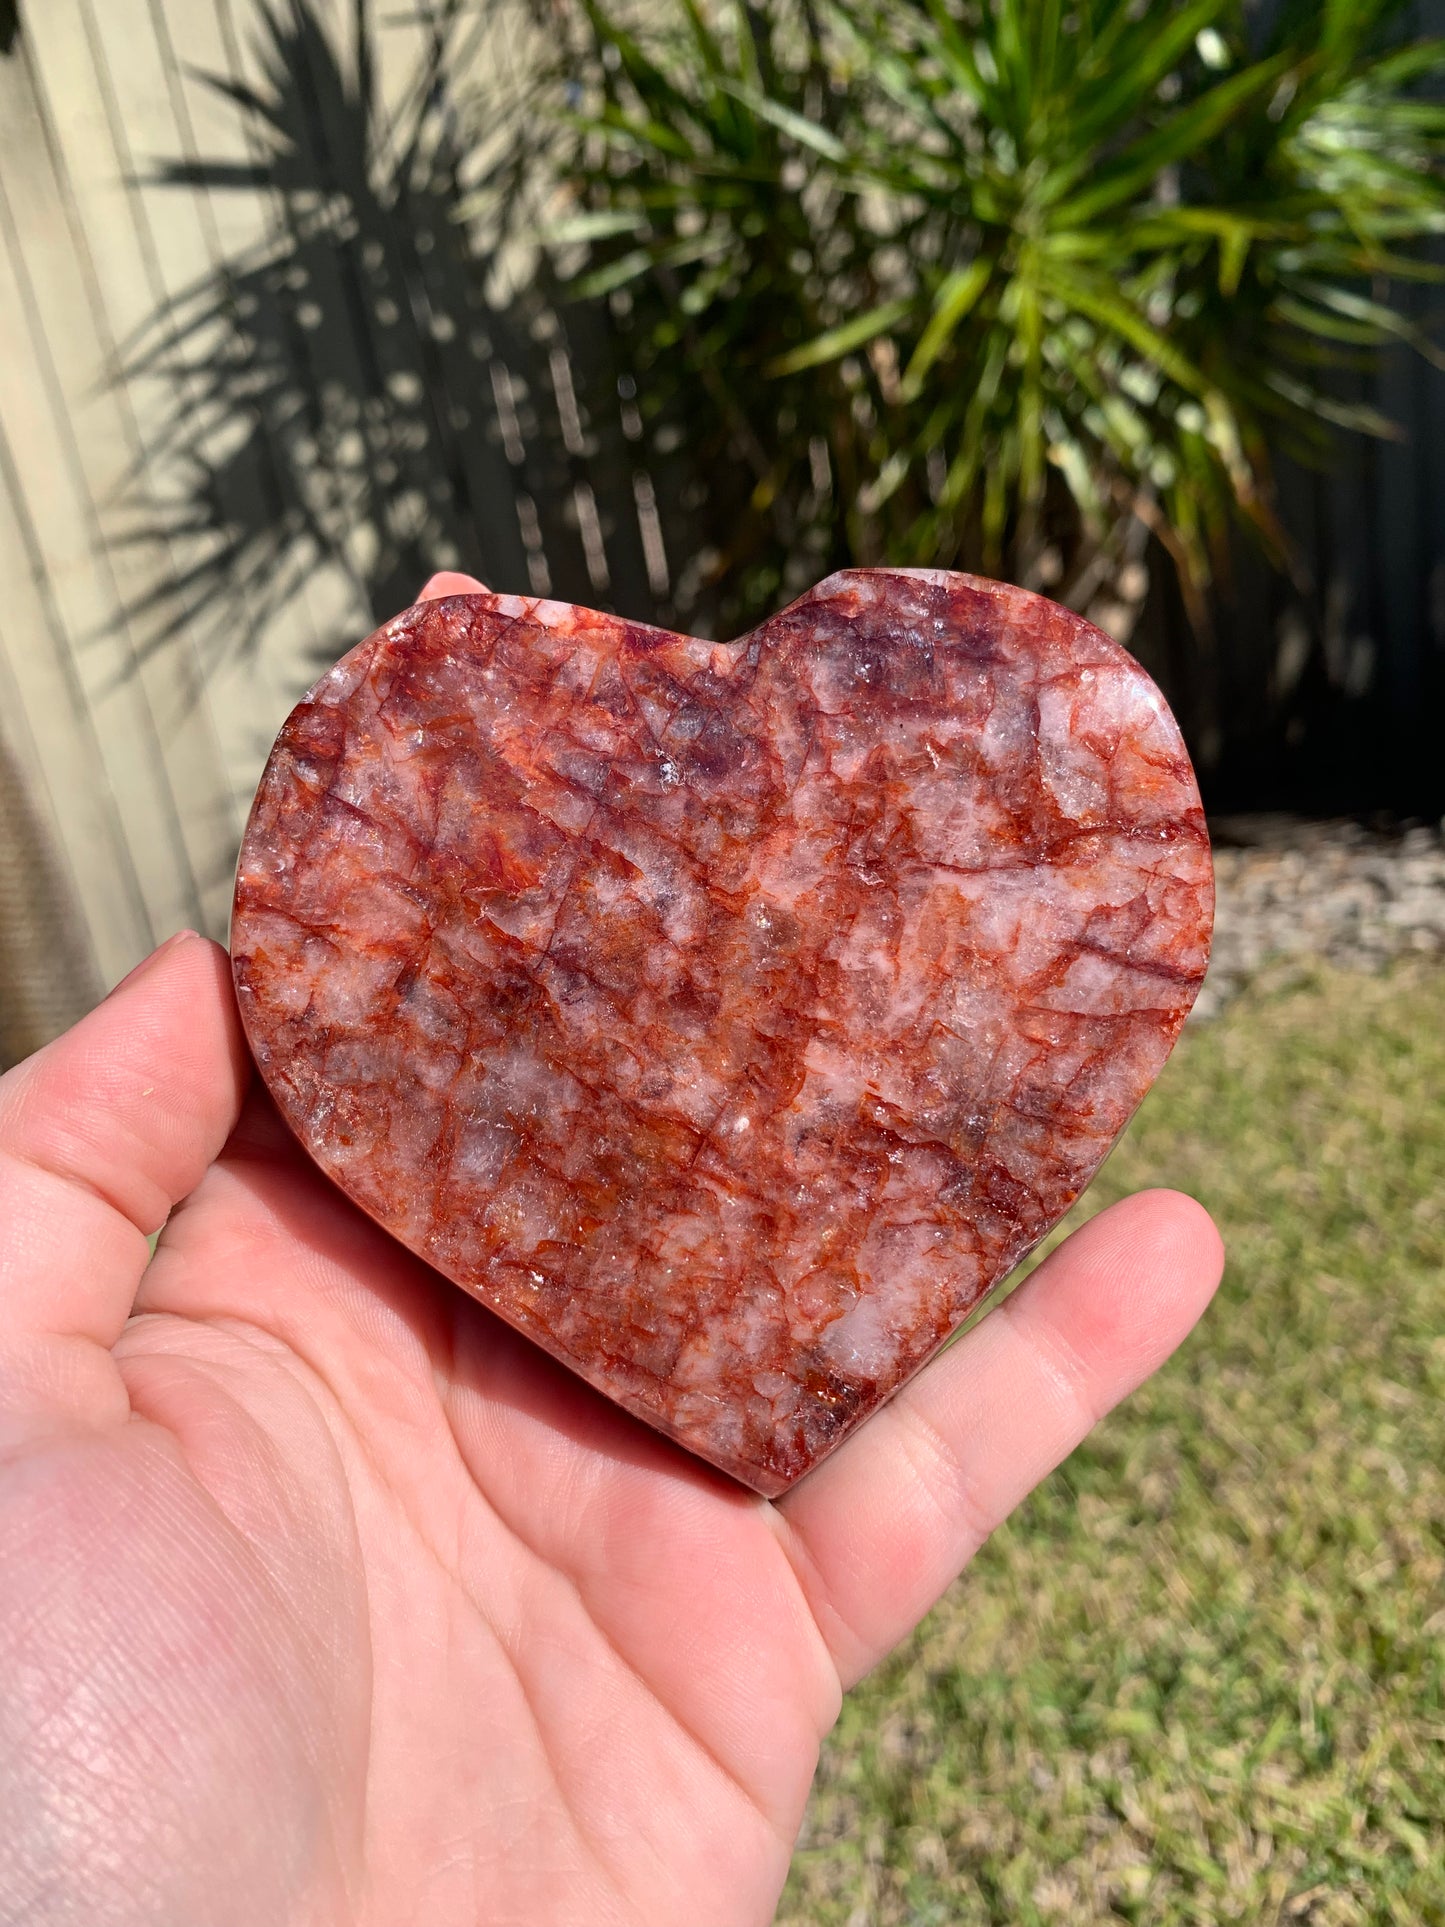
(1181, 136)
(1068, 454)
(1102, 302)
(1128, 77)
(628, 267)
(636, 131)
(652, 84)
(1404, 65)
(841, 340)
(750, 67)
(1234, 244)
(1044, 48)
(798, 127)
(1388, 323)
(612, 275)
(899, 80)
(1003, 31)
(958, 57)
(963, 470)
(1326, 326)
(957, 295)
(703, 37)
(1349, 24)
(590, 227)
(998, 478)
(1165, 227)
(1032, 455)
(1356, 416)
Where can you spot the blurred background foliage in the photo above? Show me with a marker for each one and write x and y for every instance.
(724, 294)
(1008, 285)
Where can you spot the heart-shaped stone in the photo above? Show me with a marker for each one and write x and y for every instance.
(727, 1018)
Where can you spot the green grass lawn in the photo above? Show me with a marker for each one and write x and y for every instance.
(1200, 1676)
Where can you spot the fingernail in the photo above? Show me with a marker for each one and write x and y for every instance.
(449, 582)
(147, 964)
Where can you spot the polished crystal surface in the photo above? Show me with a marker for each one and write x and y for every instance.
(729, 1018)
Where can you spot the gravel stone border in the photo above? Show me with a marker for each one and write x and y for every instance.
(1338, 892)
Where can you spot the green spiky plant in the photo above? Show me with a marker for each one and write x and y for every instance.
(999, 284)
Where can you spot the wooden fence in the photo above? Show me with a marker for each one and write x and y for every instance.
(253, 389)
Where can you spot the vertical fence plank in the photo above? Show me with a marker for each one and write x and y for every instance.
(276, 640)
(63, 433)
(52, 742)
(151, 717)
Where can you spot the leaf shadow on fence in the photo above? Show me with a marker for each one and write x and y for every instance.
(362, 393)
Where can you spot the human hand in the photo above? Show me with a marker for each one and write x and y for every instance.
(328, 1599)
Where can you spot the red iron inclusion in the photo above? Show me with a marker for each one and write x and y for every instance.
(727, 1018)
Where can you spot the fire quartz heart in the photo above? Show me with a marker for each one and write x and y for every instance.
(727, 1018)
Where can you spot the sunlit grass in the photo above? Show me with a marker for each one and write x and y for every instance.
(1201, 1675)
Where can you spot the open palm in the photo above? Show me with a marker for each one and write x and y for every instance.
(324, 1597)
